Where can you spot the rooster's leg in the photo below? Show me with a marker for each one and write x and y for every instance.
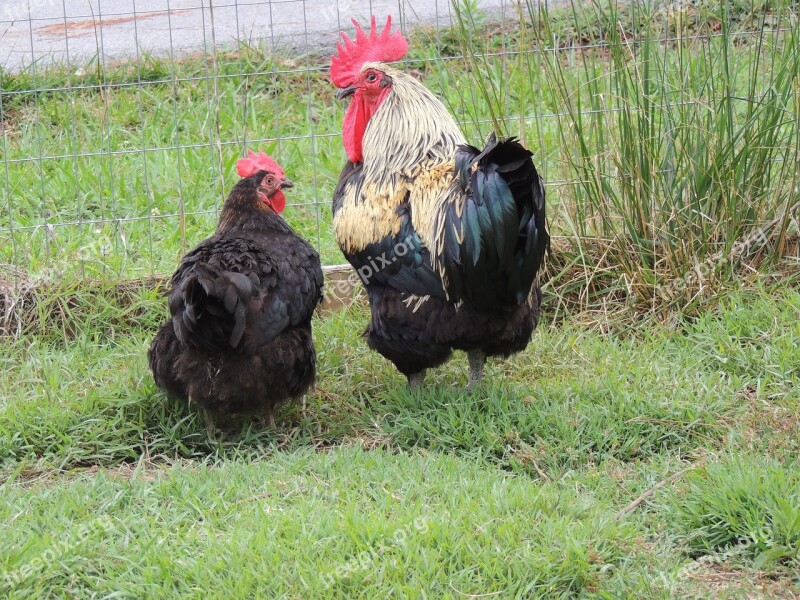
(415, 379)
(477, 358)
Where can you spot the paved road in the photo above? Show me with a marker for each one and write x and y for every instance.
(74, 30)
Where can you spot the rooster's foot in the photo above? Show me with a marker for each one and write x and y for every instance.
(477, 359)
(415, 380)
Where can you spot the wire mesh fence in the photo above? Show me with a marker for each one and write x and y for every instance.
(122, 119)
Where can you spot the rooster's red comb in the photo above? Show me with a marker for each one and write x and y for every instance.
(257, 162)
(351, 55)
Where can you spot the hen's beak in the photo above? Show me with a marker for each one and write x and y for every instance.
(344, 93)
(286, 184)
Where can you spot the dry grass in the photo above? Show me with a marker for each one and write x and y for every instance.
(581, 283)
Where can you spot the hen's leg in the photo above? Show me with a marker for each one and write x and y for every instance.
(477, 358)
(415, 379)
(269, 418)
(213, 433)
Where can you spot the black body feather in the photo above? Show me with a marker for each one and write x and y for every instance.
(239, 340)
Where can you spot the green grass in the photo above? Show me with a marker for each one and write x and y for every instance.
(380, 522)
(673, 127)
(513, 488)
(748, 505)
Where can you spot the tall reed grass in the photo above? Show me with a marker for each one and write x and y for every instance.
(677, 131)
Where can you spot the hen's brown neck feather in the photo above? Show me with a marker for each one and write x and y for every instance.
(243, 207)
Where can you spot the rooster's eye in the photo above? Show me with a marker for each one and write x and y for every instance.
(371, 77)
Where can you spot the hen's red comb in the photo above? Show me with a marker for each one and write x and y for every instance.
(257, 162)
(351, 55)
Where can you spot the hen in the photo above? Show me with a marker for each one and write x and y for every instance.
(239, 340)
(447, 238)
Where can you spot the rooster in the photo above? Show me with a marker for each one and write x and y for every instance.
(447, 238)
(239, 340)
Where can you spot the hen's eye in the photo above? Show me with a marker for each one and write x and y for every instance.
(371, 77)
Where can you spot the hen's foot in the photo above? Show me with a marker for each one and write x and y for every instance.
(214, 433)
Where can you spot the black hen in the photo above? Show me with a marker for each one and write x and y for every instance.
(239, 340)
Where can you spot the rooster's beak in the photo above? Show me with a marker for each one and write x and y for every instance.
(285, 184)
(344, 93)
